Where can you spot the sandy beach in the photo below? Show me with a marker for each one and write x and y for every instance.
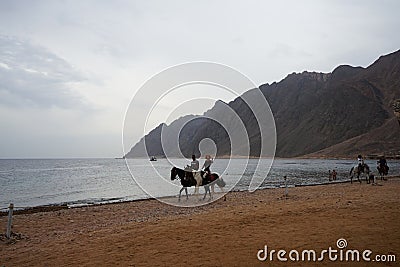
(224, 233)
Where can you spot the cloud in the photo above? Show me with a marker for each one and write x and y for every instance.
(32, 76)
(118, 45)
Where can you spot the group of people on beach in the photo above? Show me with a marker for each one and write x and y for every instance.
(381, 162)
(360, 164)
(195, 165)
(332, 175)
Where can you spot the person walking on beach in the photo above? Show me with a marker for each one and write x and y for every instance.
(334, 173)
(194, 164)
(207, 164)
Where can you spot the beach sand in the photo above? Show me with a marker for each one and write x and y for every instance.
(224, 233)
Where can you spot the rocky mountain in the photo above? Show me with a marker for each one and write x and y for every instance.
(349, 111)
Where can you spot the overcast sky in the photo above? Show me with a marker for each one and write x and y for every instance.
(68, 69)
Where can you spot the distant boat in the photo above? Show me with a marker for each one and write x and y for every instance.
(153, 158)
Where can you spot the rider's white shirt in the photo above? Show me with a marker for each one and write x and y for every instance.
(195, 165)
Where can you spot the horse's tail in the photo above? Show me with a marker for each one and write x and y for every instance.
(221, 182)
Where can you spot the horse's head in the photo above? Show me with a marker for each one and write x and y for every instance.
(174, 172)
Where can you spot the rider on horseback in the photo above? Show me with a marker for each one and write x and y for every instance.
(382, 165)
(383, 162)
(194, 165)
(207, 164)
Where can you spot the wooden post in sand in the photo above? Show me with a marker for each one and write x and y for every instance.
(286, 188)
(9, 222)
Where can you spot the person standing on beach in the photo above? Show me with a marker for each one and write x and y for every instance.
(330, 175)
(195, 163)
(334, 173)
(207, 164)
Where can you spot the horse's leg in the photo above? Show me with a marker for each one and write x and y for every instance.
(360, 173)
(187, 196)
(351, 175)
(212, 188)
(180, 192)
(197, 178)
(206, 188)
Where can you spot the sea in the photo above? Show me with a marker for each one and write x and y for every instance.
(77, 182)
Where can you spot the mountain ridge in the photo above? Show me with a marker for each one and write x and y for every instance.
(315, 114)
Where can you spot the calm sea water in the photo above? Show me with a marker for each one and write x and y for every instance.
(36, 182)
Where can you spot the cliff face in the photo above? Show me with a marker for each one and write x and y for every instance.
(380, 84)
(152, 146)
(396, 109)
(349, 111)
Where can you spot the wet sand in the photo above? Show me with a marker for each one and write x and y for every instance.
(224, 233)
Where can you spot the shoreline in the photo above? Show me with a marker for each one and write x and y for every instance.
(351, 157)
(66, 206)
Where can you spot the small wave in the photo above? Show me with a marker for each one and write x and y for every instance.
(61, 194)
(99, 201)
(56, 169)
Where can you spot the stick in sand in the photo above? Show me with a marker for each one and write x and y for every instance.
(9, 223)
(286, 187)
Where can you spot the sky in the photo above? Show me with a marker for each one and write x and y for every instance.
(69, 69)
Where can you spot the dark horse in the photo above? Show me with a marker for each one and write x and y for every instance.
(360, 170)
(188, 180)
(383, 170)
